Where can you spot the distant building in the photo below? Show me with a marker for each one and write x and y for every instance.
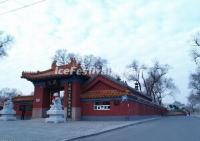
(86, 96)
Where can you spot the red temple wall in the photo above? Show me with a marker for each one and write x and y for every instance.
(120, 110)
(19, 113)
(134, 108)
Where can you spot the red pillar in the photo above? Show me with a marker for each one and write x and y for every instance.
(76, 109)
(76, 90)
(38, 103)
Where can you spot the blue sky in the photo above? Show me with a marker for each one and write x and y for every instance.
(118, 30)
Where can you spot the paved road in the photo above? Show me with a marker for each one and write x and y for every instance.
(165, 129)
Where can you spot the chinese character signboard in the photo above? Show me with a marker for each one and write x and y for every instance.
(69, 101)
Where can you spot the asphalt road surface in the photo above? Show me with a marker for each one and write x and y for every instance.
(165, 129)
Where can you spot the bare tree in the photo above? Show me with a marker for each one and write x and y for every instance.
(196, 50)
(62, 57)
(194, 101)
(163, 88)
(5, 40)
(154, 80)
(154, 83)
(194, 84)
(136, 72)
(90, 62)
(9, 92)
(100, 64)
(197, 39)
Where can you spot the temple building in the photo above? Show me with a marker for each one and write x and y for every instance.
(84, 96)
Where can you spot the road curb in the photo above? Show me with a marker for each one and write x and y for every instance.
(195, 116)
(109, 130)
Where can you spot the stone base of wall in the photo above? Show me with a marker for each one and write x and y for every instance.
(116, 118)
(39, 112)
(76, 113)
(65, 112)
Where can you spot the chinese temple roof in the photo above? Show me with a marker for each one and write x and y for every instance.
(121, 88)
(103, 94)
(51, 73)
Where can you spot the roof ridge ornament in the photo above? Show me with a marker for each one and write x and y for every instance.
(54, 64)
(73, 61)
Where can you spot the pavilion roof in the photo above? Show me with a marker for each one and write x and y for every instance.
(50, 73)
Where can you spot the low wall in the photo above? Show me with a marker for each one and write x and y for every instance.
(122, 109)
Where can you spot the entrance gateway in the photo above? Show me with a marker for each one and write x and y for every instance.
(90, 97)
(48, 82)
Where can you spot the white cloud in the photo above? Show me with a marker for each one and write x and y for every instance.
(117, 30)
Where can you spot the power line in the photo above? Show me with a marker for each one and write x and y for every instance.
(22, 7)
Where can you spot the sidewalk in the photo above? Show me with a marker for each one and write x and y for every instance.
(111, 128)
(38, 130)
(196, 116)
